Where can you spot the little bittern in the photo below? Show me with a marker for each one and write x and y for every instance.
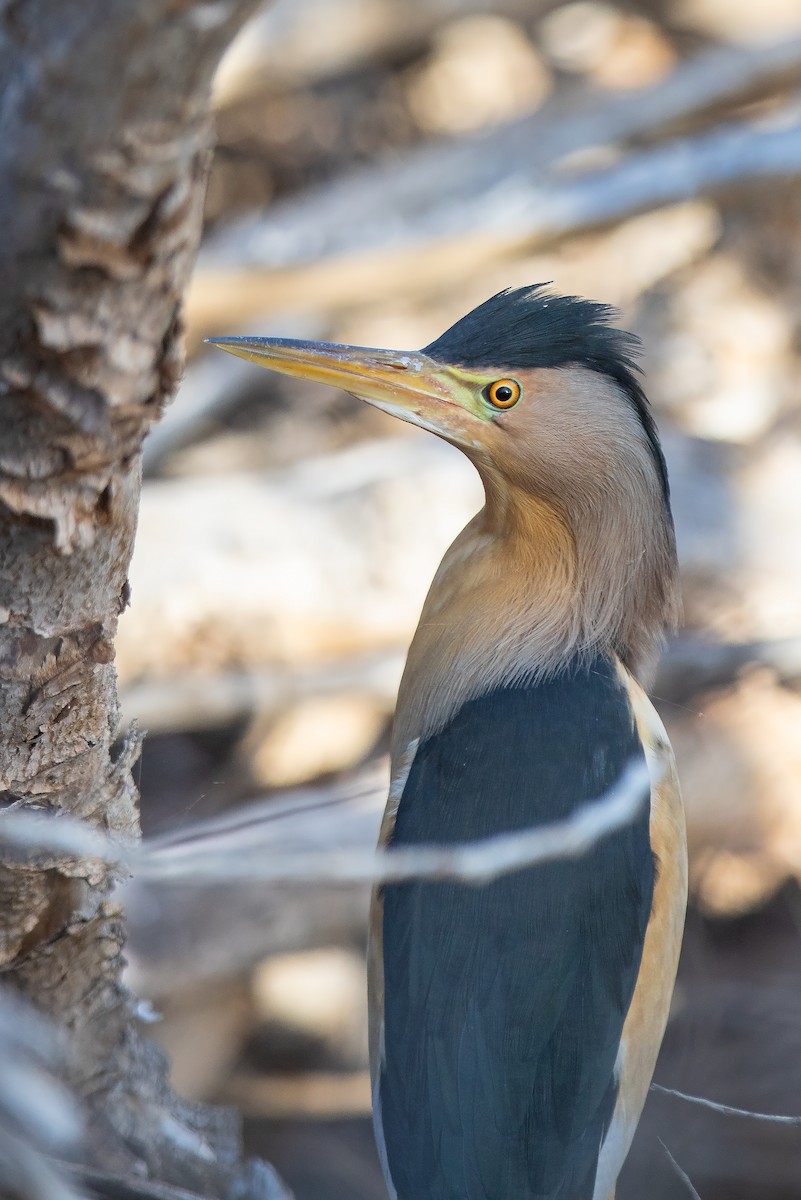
(514, 1027)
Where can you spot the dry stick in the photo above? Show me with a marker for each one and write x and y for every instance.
(527, 210)
(368, 786)
(693, 664)
(275, 51)
(443, 189)
(522, 211)
(690, 665)
(683, 1176)
(41, 834)
(474, 862)
(181, 937)
(736, 154)
(726, 1109)
(186, 701)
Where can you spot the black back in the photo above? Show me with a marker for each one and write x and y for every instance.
(531, 327)
(504, 1003)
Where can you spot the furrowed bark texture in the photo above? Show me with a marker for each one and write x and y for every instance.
(103, 107)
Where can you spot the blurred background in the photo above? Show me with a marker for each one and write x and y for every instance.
(384, 165)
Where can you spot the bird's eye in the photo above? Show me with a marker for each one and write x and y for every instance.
(503, 393)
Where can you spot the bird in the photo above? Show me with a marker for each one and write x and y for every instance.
(514, 1026)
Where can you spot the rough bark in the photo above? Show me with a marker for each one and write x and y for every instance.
(103, 106)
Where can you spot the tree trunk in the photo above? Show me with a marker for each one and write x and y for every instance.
(103, 107)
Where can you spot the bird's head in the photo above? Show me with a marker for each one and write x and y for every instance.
(541, 392)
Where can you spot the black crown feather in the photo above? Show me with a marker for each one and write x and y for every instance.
(532, 327)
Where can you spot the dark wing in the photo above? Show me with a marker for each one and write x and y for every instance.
(504, 1004)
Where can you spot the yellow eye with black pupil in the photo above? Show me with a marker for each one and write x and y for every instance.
(503, 393)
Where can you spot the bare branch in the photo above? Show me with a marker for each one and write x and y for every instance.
(204, 860)
(275, 50)
(737, 154)
(526, 208)
(469, 184)
(693, 664)
(476, 862)
(180, 937)
(46, 834)
(683, 1176)
(726, 1109)
(690, 665)
(164, 705)
(246, 541)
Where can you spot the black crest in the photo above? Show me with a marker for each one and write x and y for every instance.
(531, 327)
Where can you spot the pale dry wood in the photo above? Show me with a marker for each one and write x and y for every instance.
(427, 192)
(290, 45)
(187, 701)
(299, 571)
(191, 701)
(740, 759)
(526, 208)
(181, 937)
(251, 592)
(499, 187)
(727, 1110)
(693, 664)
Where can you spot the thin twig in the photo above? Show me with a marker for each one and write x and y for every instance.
(35, 832)
(683, 1176)
(478, 861)
(726, 1109)
(368, 787)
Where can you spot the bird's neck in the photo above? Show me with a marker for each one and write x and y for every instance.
(526, 589)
